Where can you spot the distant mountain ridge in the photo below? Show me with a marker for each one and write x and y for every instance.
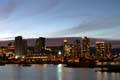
(59, 41)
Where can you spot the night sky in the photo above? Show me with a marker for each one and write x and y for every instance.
(60, 18)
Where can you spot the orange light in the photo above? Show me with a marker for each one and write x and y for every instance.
(97, 61)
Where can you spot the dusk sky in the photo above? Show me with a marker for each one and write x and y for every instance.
(60, 18)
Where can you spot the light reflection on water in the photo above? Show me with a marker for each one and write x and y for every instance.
(53, 72)
(108, 76)
(59, 71)
(101, 75)
(115, 76)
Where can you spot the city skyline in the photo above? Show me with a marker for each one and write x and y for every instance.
(59, 41)
(59, 18)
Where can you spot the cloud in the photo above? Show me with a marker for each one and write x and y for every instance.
(25, 8)
(8, 8)
(6, 38)
(95, 25)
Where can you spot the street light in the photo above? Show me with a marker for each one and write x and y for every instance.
(59, 52)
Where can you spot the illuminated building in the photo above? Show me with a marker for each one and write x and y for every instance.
(77, 48)
(85, 46)
(108, 48)
(40, 45)
(67, 48)
(2, 53)
(11, 47)
(102, 48)
(65, 41)
(1, 50)
(20, 46)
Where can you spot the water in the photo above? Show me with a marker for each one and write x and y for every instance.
(53, 72)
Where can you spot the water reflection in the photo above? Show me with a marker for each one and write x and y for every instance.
(115, 76)
(59, 71)
(53, 72)
(101, 75)
(67, 74)
(108, 76)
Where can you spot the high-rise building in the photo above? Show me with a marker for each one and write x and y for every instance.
(25, 47)
(20, 46)
(11, 47)
(103, 48)
(85, 46)
(40, 45)
(77, 48)
(66, 47)
(100, 48)
(65, 41)
(108, 48)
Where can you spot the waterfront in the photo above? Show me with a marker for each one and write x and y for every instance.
(53, 72)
